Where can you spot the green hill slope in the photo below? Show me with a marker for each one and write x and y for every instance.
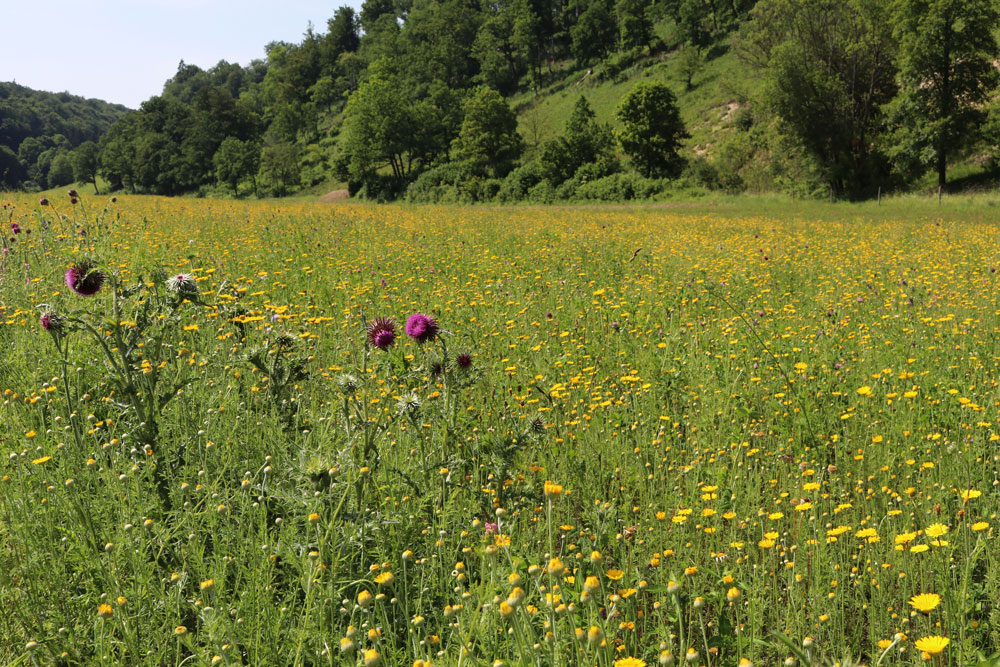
(39, 131)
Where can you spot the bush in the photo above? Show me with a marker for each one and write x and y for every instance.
(543, 193)
(440, 184)
(381, 188)
(700, 171)
(621, 187)
(518, 183)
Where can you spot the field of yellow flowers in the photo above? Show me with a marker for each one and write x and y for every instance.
(283, 433)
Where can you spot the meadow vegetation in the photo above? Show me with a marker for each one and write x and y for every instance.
(731, 434)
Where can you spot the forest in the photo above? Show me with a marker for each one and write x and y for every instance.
(48, 139)
(426, 100)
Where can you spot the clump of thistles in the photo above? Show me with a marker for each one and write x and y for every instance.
(421, 328)
(84, 278)
(381, 333)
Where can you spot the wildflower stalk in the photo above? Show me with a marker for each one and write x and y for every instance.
(767, 350)
(62, 346)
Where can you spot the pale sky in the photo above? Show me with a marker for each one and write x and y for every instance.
(123, 51)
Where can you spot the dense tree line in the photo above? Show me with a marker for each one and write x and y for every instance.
(49, 139)
(382, 97)
(877, 93)
(411, 98)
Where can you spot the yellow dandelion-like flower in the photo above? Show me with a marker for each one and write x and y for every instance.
(41, 460)
(614, 575)
(925, 602)
(630, 662)
(733, 594)
(864, 390)
(552, 490)
(980, 526)
(970, 494)
(932, 645)
(385, 579)
(936, 530)
(105, 611)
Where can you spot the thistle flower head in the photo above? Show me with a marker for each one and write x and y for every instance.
(421, 328)
(183, 285)
(52, 321)
(349, 384)
(381, 333)
(84, 278)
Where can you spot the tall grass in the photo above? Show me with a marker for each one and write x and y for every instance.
(729, 434)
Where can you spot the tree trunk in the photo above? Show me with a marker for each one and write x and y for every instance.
(942, 166)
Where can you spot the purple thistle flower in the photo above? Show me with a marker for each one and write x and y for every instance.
(51, 321)
(84, 278)
(381, 333)
(464, 360)
(421, 328)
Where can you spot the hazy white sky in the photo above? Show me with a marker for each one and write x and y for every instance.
(123, 50)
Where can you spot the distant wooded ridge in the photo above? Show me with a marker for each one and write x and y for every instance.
(549, 100)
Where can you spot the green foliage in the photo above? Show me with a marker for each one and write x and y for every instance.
(488, 141)
(377, 100)
(519, 183)
(236, 161)
(633, 23)
(379, 126)
(61, 171)
(947, 55)
(584, 141)
(279, 168)
(652, 129)
(620, 187)
(501, 61)
(36, 125)
(11, 171)
(595, 33)
(828, 86)
(86, 160)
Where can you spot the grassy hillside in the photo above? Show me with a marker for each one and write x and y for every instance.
(707, 106)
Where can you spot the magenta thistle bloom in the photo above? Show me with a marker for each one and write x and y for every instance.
(84, 278)
(381, 333)
(464, 361)
(421, 328)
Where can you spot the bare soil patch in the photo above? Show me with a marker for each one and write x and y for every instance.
(336, 195)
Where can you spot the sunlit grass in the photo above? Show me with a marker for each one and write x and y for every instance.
(680, 434)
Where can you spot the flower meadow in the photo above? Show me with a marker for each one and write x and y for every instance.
(284, 433)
